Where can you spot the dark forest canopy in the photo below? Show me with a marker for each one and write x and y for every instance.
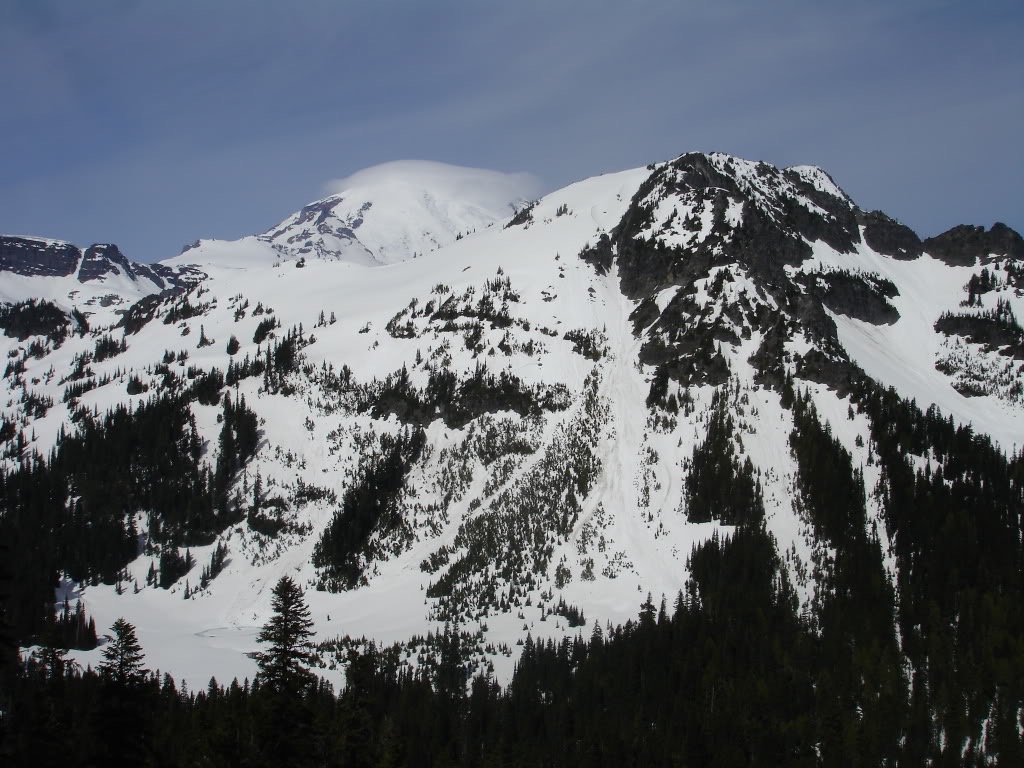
(925, 667)
(730, 674)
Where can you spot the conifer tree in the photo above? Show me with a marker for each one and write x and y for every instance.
(122, 658)
(284, 667)
(122, 718)
(288, 736)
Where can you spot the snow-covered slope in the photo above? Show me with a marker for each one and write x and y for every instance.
(621, 314)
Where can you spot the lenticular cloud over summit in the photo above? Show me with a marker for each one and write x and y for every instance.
(492, 191)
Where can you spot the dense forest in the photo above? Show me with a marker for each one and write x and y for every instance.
(913, 660)
(730, 674)
(77, 511)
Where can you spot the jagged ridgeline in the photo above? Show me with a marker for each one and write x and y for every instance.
(727, 241)
(516, 442)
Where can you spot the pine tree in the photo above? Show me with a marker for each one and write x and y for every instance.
(288, 736)
(122, 719)
(284, 667)
(122, 658)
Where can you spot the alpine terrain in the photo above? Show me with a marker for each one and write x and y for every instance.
(709, 410)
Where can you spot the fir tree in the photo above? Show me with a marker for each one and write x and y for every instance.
(288, 736)
(122, 718)
(122, 658)
(284, 667)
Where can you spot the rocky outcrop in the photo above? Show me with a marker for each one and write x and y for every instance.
(31, 257)
(303, 231)
(702, 222)
(101, 260)
(38, 257)
(887, 236)
(963, 245)
(860, 296)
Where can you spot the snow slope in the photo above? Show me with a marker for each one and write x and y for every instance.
(437, 236)
(904, 354)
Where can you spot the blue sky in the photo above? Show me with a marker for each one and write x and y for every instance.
(151, 124)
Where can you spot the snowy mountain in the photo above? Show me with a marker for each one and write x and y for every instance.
(93, 279)
(504, 417)
(397, 211)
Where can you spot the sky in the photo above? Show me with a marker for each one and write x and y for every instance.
(154, 124)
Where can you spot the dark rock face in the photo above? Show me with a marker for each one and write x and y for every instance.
(101, 260)
(963, 245)
(998, 332)
(644, 315)
(34, 257)
(859, 296)
(37, 258)
(835, 372)
(778, 220)
(887, 236)
(648, 267)
(764, 247)
(769, 369)
(781, 212)
(837, 227)
(600, 255)
(734, 218)
(170, 277)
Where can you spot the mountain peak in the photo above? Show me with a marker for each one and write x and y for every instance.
(398, 210)
(525, 427)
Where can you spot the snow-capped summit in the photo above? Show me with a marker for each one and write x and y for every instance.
(399, 210)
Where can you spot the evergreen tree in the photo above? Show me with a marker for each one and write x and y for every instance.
(122, 719)
(288, 736)
(284, 667)
(122, 658)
